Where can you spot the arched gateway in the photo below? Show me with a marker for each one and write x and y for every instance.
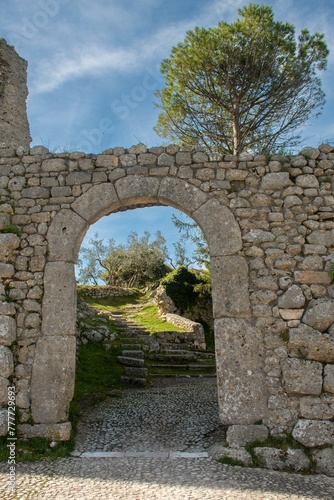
(54, 365)
(269, 223)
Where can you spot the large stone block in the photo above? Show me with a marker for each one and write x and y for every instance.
(135, 190)
(329, 378)
(98, 201)
(312, 433)
(230, 287)
(321, 408)
(276, 459)
(59, 300)
(7, 330)
(293, 298)
(6, 362)
(65, 236)
(181, 195)
(3, 422)
(242, 390)
(52, 383)
(311, 344)
(54, 432)
(239, 435)
(302, 377)
(9, 242)
(325, 461)
(275, 181)
(320, 314)
(224, 238)
(218, 450)
(4, 383)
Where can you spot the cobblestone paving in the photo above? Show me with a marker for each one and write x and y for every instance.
(156, 477)
(172, 415)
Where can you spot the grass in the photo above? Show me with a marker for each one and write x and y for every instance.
(230, 461)
(148, 317)
(27, 450)
(117, 303)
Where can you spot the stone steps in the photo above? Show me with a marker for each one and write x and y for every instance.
(172, 357)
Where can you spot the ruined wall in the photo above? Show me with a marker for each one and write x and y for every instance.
(269, 224)
(14, 126)
(270, 228)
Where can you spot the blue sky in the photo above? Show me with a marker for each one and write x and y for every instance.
(94, 68)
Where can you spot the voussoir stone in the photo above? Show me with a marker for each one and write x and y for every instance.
(319, 314)
(180, 194)
(137, 189)
(97, 201)
(65, 235)
(312, 433)
(222, 240)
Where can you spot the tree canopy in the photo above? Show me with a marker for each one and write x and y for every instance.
(245, 86)
(133, 264)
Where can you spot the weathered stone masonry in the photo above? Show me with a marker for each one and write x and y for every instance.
(269, 224)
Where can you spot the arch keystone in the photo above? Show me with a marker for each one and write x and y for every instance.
(180, 194)
(136, 189)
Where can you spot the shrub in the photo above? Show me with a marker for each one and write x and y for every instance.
(179, 285)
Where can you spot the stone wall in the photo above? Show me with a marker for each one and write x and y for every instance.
(14, 126)
(269, 225)
(102, 291)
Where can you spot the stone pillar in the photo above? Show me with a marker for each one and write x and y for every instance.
(14, 126)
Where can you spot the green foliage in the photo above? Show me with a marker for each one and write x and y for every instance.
(242, 86)
(11, 228)
(331, 271)
(36, 448)
(97, 370)
(230, 461)
(190, 231)
(284, 335)
(148, 317)
(116, 302)
(179, 285)
(135, 264)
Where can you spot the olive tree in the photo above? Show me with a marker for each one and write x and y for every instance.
(245, 86)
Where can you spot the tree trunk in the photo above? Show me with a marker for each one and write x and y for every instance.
(236, 129)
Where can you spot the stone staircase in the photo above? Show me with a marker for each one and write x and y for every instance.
(143, 359)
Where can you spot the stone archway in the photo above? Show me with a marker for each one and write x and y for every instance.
(240, 391)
